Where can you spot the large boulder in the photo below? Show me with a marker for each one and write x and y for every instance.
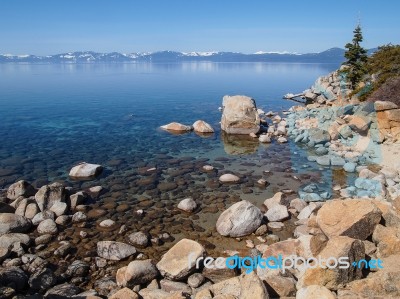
(332, 276)
(180, 261)
(20, 188)
(384, 283)
(11, 223)
(85, 171)
(239, 115)
(333, 218)
(240, 219)
(245, 286)
(202, 127)
(114, 251)
(50, 194)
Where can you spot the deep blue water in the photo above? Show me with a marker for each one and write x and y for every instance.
(52, 116)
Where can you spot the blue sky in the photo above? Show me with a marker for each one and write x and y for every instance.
(52, 26)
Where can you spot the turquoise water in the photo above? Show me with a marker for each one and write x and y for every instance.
(54, 116)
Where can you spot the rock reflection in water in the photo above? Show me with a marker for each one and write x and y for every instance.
(239, 144)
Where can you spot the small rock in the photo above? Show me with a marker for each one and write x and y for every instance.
(78, 269)
(174, 126)
(240, 219)
(275, 226)
(139, 239)
(47, 226)
(65, 289)
(314, 292)
(107, 223)
(137, 272)
(262, 230)
(114, 250)
(264, 139)
(42, 280)
(277, 213)
(195, 280)
(124, 293)
(187, 205)
(11, 223)
(63, 219)
(282, 139)
(229, 178)
(20, 188)
(79, 217)
(208, 167)
(7, 240)
(59, 208)
(202, 127)
(349, 167)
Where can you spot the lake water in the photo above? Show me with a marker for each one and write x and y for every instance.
(54, 116)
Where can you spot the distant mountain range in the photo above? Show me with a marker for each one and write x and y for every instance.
(333, 55)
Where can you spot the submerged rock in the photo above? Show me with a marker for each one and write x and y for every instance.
(239, 115)
(114, 251)
(229, 178)
(85, 171)
(240, 219)
(187, 205)
(139, 239)
(174, 126)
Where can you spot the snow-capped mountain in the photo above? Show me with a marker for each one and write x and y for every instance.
(334, 55)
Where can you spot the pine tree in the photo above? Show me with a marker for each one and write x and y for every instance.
(356, 58)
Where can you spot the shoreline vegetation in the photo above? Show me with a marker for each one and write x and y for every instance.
(357, 218)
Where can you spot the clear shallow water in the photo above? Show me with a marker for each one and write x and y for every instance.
(71, 113)
(53, 116)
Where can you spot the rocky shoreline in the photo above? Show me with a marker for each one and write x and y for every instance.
(48, 248)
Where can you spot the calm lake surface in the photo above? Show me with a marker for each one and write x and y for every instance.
(54, 116)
